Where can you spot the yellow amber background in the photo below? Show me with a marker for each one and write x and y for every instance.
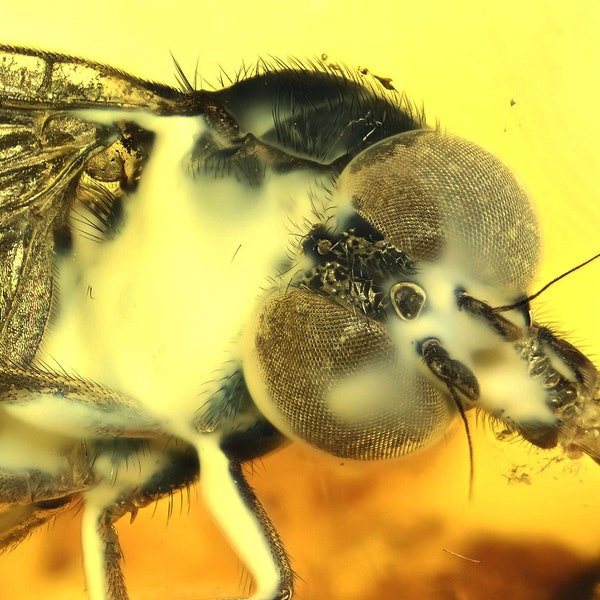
(388, 530)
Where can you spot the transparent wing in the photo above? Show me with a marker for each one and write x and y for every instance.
(41, 157)
(43, 153)
(35, 79)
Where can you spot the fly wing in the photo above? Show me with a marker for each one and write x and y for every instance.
(42, 155)
(44, 150)
(35, 79)
(53, 156)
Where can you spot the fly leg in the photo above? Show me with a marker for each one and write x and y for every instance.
(244, 521)
(137, 473)
(102, 552)
(40, 477)
(115, 484)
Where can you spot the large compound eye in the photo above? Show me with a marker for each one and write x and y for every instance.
(333, 378)
(438, 198)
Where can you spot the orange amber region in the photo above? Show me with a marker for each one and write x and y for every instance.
(357, 531)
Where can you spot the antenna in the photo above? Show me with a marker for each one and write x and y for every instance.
(528, 299)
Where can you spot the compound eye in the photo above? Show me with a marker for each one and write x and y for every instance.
(333, 378)
(408, 300)
(440, 198)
